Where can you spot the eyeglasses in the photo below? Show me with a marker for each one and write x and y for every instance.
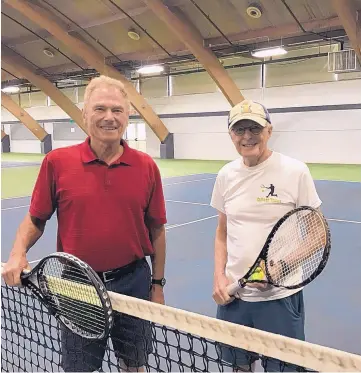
(240, 131)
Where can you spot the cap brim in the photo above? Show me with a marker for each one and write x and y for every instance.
(255, 118)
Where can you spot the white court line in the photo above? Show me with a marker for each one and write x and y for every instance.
(14, 207)
(34, 261)
(179, 182)
(189, 181)
(169, 227)
(194, 181)
(190, 222)
(15, 197)
(214, 216)
(200, 204)
(167, 200)
(340, 181)
(345, 221)
(189, 203)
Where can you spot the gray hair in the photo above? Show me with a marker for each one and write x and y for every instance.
(105, 80)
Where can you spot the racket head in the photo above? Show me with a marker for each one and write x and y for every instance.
(298, 248)
(74, 294)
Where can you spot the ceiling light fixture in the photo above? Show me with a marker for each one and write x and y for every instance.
(269, 52)
(10, 89)
(48, 52)
(254, 11)
(151, 69)
(134, 35)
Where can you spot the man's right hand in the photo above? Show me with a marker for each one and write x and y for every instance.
(220, 294)
(11, 270)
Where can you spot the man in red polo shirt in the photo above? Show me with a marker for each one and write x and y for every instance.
(111, 214)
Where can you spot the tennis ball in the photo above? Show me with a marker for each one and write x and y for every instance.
(258, 274)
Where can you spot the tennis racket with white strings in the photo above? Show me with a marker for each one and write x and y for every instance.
(73, 293)
(295, 253)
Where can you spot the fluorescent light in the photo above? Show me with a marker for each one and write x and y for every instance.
(10, 89)
(151, 69)
(170, 85)
(269, 52)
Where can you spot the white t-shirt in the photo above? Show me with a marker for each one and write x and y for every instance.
(254, 199)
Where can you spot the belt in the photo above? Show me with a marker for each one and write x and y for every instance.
(113, 274)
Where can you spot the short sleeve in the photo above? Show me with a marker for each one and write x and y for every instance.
(217, 200)
(43, 201)
(307, 193)
(156, 212)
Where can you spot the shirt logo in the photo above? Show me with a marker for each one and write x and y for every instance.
(272, 190)
(270, 196)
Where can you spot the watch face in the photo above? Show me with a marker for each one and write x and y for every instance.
(161, 281)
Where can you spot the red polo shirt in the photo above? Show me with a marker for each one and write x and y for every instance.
(104, 212)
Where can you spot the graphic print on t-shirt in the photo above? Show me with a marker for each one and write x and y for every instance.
(270, 196)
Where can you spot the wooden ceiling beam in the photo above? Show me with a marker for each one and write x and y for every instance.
(72, 28)
(19, 69)
(351, 22)
(273, 32)
(23, 116)
(194, 42)
(93, 58)
(160, 57)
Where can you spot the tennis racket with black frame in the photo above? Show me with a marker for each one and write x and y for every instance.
(73, 293)
(295, 253)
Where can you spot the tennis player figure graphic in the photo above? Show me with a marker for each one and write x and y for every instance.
(272, 190)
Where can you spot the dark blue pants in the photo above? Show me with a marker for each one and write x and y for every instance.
(131, 337)
(282, 316)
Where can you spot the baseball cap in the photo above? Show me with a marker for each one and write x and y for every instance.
(251, 110)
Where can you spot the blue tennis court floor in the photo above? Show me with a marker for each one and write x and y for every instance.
(332, 301)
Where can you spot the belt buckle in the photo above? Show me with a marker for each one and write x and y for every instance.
(104, 276)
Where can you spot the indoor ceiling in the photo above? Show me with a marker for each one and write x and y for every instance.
(228, 27)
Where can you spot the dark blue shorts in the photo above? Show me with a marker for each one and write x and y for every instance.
(131, 337)
(282, 316)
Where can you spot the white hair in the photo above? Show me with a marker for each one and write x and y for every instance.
(105, 80)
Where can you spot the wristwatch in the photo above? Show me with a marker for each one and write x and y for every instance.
(160, 282)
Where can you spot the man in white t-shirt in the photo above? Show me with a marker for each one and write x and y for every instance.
(251, 194)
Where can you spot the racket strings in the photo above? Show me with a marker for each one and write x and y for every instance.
(297, 248)
(71, 293)
(84, 311)
(82, 317)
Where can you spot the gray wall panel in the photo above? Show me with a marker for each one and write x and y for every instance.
(20, 132)
(68, 131)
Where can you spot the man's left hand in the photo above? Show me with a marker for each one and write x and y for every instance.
(157, 295)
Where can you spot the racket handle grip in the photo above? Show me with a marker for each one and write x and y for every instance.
(233, 288)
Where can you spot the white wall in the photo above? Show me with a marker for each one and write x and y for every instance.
(25, 146)
(34, 146)
(39, 113)
(319, 137)
(315, 137)
(62, 143)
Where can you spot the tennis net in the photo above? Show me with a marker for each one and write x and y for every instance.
(180, 341)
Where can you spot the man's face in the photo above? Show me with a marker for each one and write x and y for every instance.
(250, 139)
(106, 114)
